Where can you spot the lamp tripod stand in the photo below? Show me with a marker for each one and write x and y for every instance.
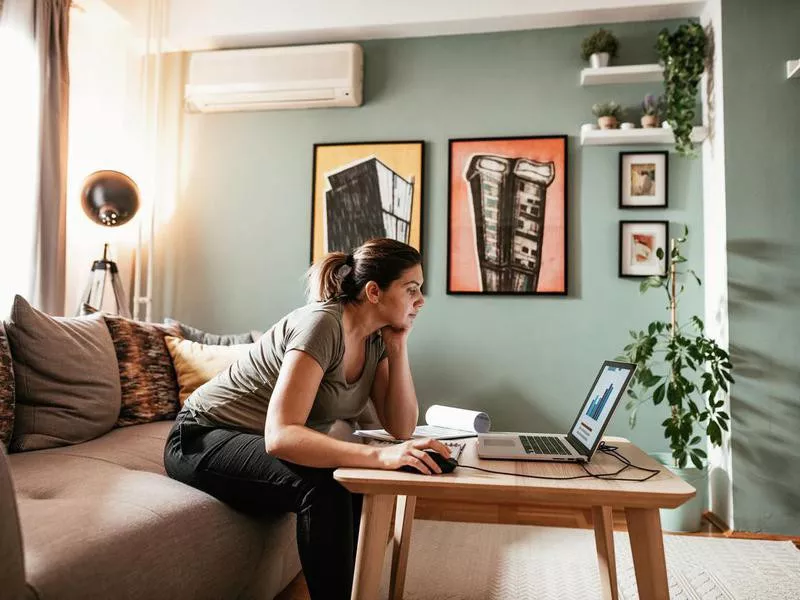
(105, 274)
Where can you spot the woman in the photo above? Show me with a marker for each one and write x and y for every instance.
(255, 435)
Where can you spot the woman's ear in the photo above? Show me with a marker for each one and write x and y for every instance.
(372, 292)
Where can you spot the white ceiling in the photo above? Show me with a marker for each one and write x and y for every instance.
(212, 24)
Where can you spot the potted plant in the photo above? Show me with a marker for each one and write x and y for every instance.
(678, 363)
(651, 109)
(599, 47)
(683, 55)
(607, 113)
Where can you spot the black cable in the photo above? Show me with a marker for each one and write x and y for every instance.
(605, 448)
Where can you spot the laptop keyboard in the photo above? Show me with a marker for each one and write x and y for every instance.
(540, 444)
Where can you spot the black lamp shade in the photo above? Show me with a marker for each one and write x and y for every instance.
(109, 198)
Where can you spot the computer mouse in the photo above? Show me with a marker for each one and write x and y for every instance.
(447, 465)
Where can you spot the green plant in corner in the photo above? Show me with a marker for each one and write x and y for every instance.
(680, 364)
(683, 55)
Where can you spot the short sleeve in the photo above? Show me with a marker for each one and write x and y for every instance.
(318, 334)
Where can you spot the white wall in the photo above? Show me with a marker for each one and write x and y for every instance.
(716, 257)
(104, 89)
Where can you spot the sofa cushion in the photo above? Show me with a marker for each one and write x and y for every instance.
(147, 378)
(213, 339)
(6, 389)
(196, 363)
(100, 520)
(67, 381)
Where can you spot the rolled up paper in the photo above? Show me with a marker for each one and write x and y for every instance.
(458, 418)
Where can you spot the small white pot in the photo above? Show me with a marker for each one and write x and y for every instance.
(666, 125)
(599, 59)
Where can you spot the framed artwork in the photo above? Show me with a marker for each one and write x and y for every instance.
(507, 216)
(639, 243)
(364, 190)
(643, 179)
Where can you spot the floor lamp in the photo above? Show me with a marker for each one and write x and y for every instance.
(111, 199)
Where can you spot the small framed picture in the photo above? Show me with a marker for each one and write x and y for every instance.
(643, 179)
(639, 245)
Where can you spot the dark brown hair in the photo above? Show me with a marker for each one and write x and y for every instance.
(340, 276)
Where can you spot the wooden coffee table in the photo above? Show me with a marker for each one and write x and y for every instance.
(640, 502)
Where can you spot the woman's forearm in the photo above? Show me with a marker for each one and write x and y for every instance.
(400, 407)
(304, 446)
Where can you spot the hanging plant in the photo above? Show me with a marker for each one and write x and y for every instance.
(683, 55)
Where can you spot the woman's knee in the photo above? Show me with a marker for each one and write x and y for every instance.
(327, 494)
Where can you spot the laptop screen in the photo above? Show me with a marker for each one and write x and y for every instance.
(600, 403)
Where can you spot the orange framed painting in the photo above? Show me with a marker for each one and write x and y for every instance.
(365, 190)
(507, 216)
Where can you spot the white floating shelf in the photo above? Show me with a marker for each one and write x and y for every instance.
(620, 137)
(792, 68)
(624, 74)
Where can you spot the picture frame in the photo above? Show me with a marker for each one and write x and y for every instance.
(644, 179)
(639, 242)
(507, 216)
(364, 190)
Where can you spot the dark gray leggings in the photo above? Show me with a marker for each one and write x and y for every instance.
(235, 468)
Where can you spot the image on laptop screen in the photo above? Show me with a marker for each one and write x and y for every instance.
(601, 401)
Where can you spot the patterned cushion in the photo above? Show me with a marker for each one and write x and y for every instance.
(211, 339)
(147, 377)
(6, 389)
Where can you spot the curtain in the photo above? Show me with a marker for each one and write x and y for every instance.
(33, 151)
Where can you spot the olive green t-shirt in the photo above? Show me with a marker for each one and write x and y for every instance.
(238, 397)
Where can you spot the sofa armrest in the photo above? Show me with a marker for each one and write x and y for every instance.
(12, 570)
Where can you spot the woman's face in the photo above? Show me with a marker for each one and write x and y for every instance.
(401, 301)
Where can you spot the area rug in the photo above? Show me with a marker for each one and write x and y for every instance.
(471, 561)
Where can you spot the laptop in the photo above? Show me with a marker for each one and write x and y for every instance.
(580, 444)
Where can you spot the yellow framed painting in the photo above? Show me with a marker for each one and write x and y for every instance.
(365, 190)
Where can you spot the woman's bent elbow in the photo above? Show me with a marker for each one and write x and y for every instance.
(273, 442)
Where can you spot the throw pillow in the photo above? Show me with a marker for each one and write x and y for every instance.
(197, 363)
(212, 339)
(147, 378)
(6, 389)
(67, 381)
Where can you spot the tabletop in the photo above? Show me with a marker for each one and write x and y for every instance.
(665, 490)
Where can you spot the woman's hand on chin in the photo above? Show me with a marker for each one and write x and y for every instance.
(394, 337)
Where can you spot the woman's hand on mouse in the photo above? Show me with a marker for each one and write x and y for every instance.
(412, 453)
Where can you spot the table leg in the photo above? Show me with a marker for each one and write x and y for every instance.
(376, 513)
(606, 558)
(403, 520)
(647, 547)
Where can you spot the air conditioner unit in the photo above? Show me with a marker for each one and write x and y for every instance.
(275, 78)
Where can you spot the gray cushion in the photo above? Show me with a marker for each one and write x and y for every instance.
(211, 339)
(6, 389)
(67, 380)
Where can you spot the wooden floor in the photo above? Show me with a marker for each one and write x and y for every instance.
(712, 527)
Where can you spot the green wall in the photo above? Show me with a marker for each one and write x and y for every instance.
(762, 145)
(243, 220)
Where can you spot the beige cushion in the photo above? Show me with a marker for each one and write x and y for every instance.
(196, 363)
(67, 380)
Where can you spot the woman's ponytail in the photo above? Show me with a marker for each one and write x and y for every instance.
(325, 277)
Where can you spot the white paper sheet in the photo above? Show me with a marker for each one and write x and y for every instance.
(443, 423)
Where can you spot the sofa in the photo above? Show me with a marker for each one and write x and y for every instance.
(86, 516)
